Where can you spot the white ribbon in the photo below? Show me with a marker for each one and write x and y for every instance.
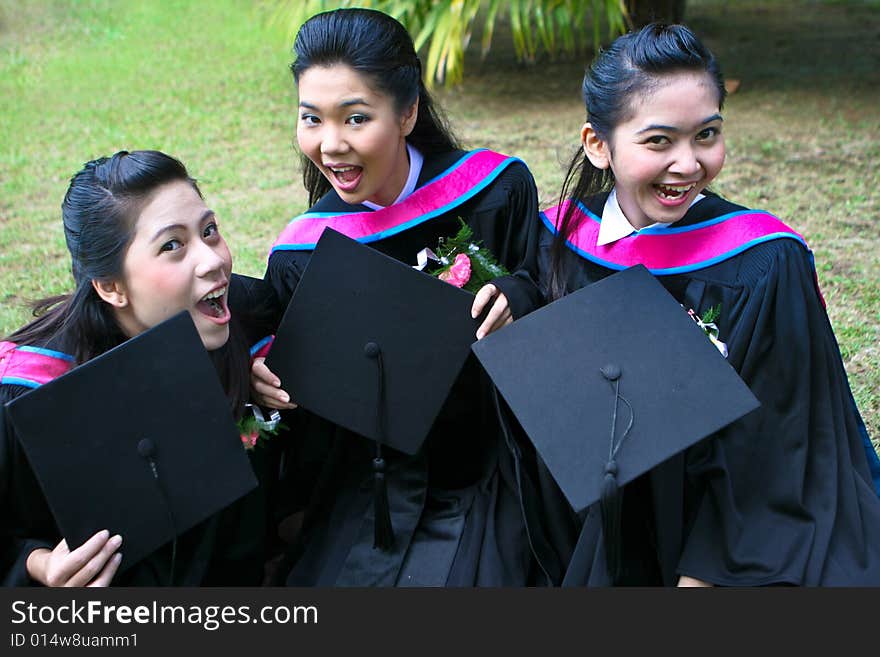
(711, 331)
(422, 258)
(262, 422)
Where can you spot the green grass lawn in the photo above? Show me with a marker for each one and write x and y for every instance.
(208, 83)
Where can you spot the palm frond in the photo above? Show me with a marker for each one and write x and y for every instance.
(442, 29)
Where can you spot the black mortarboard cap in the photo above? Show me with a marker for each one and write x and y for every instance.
(356, 309)
(139, 441)
(610, 381)
(372, 345)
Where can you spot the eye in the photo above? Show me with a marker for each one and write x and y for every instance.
(309, 119)
(357, 119)
(658, 140)
(211, 230)
(171, 245)
(708, 133)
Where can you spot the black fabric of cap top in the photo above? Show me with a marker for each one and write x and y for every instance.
(610, 381)
(139, 441)
(374, 346)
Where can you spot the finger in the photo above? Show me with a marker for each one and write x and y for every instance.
(498, 315)
(267, 387)
(686, 581)
(486, 329)
(106, 576)
(64, 563)
(484, 296)
(260, 372)
(271, 397)
(96, 564)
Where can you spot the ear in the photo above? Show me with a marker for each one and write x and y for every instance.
(111, 291)
(596, 149)
(408, 118)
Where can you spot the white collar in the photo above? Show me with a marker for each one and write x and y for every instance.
(415, 168)
(615, 225)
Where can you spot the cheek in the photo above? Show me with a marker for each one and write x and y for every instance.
(308, 142)
(720, 160)
(381, 143)
(154, 285)
(637, 170)
(714, 161)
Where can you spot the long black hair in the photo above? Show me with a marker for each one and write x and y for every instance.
(632, 66)
(378, 47)
(99, 212)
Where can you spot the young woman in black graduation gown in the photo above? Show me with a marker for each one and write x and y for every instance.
(143, 247)
(784, 495)
(382, 168)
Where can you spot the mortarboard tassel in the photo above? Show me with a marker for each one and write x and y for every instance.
(383, 531)
(611, 496)
(147, 449)
(610, 502)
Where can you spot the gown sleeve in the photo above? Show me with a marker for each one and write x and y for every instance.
(25, 525)
(254, 303)
(784, 495)
(283, 272)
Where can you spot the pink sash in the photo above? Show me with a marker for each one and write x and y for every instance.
(31, 366)
(467, 177)
(672, 250)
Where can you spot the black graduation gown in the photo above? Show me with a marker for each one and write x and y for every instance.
(227, 549)
(454, 505)
(783, 495)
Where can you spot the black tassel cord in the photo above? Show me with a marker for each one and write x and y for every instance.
(147, 450)
(611, 497)
(383, 532)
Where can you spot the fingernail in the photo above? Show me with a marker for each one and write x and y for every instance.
(284, 397)
(105, 534)
(116, 541)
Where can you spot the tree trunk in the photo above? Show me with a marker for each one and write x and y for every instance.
(642, 12)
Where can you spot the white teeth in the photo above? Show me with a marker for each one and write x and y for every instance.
(216, 294)
(341, 170)
(674, 191)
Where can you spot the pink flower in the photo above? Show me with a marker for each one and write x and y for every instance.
(250, 440)
(459, 273)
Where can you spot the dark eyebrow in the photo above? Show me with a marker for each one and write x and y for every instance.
(345, 103)
(207, 214)
(354, 101)
(669, 128)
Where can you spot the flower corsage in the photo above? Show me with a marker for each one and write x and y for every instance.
(254, 428)
(707, 323)
(462, 261)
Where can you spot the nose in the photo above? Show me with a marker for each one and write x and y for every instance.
(333, 140)
(685, 162)
(212, 259)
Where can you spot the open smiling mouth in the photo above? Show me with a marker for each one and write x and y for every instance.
(212, 303)
(347, 177)
(673, 192)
